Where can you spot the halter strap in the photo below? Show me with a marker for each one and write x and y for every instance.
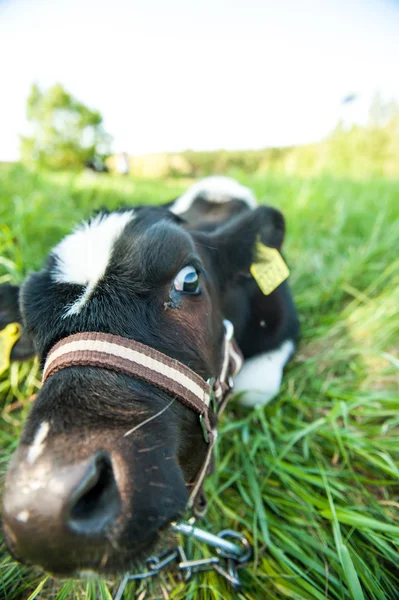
(132, 358)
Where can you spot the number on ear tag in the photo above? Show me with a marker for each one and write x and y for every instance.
(270, 270)
(8, 336)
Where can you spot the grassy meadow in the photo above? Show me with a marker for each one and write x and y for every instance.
(313, 478)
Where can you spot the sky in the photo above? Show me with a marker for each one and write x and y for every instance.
(203, 74)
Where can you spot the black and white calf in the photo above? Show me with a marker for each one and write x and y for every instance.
(106, 461)
(266, 327)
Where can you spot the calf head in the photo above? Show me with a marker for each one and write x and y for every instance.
(106, 461)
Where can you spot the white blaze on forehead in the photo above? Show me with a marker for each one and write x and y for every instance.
(83, 256)
(215, 189)
(37, 446)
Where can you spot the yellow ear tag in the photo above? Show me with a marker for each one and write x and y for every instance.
(270, 269)
(8, 336)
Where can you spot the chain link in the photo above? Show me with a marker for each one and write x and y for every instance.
(230, 556)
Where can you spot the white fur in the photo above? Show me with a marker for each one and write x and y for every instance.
(216, 189)
(37, 446)
(260, 376)
(83, 256)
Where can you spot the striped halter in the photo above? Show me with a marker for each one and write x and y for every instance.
(123, 355)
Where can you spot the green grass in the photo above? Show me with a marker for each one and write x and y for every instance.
(313, 478)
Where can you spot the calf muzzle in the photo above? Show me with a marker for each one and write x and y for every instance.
(51, 512)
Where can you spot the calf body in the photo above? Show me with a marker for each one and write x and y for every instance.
(106, 461)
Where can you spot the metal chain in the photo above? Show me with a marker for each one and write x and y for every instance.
(230, 556)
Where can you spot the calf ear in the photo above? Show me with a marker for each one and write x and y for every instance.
(233, 246)
(23, 348)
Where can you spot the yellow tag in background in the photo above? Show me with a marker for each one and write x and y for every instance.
(8, 336)
(270, 269)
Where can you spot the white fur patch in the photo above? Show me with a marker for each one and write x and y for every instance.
(37, 446)
(260, 377)
(216, 189)
(83, 256)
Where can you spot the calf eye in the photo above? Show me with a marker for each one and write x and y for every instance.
(187, 281)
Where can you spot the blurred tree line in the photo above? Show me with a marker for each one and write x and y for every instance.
(350, 151)
(64, 133)
(67, 134)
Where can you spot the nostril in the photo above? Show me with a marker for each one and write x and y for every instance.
(95, 502)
